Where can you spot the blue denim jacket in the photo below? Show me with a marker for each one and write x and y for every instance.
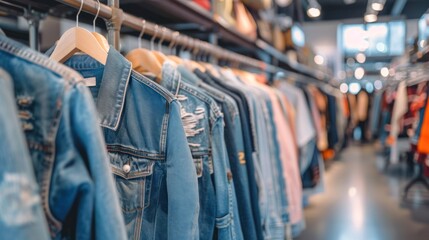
(227, 221)
(149, 155)
(21, 212)
(200, 115)
(65, 144)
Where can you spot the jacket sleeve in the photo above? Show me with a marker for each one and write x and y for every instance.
(88, 138)
(182, 185)
(24, 219)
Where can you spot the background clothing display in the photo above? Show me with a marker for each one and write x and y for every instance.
(181, 141)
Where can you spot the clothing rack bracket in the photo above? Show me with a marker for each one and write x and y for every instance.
(114, 24)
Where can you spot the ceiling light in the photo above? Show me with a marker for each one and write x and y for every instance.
(369, 87)
(360, 58)
(354, 88)
(314, 8)
(370, 17)
(319, 60)
(359, 73)
(381, 47)
(384, 72)
(344, 87)
(378, 84)
(350, 62)
(377, 5)
(348, 2)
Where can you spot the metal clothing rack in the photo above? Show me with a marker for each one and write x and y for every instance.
(115, 18)
(33, 17)
(413, 73)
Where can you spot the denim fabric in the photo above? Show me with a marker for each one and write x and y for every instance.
(270, 206)
(66, 146)
(21, 212)
(200, 114)
(229, 110)
(375, 113)
(257, 95)
(149, 155)
(238, 162)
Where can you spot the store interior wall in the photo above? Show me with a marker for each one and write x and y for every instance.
(322, 36)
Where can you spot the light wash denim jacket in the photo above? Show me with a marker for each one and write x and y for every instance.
(227, 221)
(66, 146)
(149, 155)
(21, 212)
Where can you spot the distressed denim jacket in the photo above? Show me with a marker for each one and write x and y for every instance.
(149, 155)
(69, 158)
(21, 212)
(227, 221)
(200, 115)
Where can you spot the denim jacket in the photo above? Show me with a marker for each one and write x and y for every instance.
(21, 212)
(149, 155)
(200, 115)
(227, 221)
(65, 144)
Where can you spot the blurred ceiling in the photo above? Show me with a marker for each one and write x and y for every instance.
(348, 9)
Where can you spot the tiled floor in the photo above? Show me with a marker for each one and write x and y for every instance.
(361, 202)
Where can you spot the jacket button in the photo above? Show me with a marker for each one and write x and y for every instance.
(126, 168)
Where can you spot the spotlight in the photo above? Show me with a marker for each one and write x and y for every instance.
(314, 9)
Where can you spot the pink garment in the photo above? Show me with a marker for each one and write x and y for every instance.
(288, 155)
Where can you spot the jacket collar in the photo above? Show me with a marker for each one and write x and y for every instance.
(113, 89)
(113, 86)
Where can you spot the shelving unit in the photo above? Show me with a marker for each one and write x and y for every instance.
(190, 19)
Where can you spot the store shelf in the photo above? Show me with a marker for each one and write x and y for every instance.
(179, 12)
(188, 18)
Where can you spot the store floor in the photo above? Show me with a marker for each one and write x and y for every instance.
(361, 202)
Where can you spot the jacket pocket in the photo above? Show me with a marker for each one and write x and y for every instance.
(133, 177)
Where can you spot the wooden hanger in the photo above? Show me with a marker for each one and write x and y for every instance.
(78, 39)
(143, 60)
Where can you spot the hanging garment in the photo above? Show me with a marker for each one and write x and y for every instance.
(399, 109)
(189, 97)
(423, 142)
(275, 224)
(21, 212)
(66, 146)
(148, 151)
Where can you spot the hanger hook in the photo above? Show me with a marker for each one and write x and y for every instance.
(173, 41)
(142, 32)
(163, 30)
(182, 47)
(77, 15)
(152, 40)
(96, 15)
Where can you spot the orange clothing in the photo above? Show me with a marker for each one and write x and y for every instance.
(423, 143)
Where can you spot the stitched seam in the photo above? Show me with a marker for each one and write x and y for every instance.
(135, 153)
(51, 140)
(147, 82)
(34, 57)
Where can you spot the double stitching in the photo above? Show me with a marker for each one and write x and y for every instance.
(38, 59)
(135, 153)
